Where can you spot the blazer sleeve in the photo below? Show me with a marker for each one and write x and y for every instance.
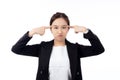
(95, 48)
(22, 48)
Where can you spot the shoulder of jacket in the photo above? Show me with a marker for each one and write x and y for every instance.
(47, 43)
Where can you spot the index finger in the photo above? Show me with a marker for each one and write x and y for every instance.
(47, 27)
(71, 26)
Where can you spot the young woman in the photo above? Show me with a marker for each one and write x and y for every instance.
(59, 59)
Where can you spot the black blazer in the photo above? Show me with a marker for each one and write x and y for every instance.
(43, 51)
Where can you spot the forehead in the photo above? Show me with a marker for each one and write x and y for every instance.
(59, 21)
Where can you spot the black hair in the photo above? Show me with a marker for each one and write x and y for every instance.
(59, 15)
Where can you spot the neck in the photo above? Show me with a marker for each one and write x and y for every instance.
(59, 43)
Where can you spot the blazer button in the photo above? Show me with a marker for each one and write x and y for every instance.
(41, 72)
(78, 73)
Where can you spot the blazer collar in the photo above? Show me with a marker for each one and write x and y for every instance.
(72, 53)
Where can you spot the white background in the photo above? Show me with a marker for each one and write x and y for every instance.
(19, 16)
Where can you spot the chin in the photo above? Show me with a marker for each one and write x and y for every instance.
(60, 40)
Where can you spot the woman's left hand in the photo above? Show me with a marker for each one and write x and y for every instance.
(78, 29)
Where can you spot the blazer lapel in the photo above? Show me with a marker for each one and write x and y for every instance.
(72, 52)
(46, 52)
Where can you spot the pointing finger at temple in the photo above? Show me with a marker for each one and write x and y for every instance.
(71, 26)
(47, 27)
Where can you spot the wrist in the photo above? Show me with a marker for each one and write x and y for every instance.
(86, 31)
(31, 33)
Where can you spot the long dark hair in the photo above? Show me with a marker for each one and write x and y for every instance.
(59, 15)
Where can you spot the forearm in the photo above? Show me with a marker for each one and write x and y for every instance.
(95, 42)
(21, 43)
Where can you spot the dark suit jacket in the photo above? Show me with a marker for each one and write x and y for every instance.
(43, 51)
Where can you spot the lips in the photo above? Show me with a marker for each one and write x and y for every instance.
(60, 35)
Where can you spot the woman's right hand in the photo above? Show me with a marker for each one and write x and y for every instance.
(39, 30)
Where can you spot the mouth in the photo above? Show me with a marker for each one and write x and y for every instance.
(60, 35)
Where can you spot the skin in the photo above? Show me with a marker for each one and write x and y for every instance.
(59, 29)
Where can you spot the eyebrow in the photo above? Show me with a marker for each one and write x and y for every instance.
(61, 25)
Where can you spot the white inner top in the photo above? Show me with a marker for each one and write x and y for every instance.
(59, 66)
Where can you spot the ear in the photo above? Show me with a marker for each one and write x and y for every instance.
(68, 28)
(50, 27)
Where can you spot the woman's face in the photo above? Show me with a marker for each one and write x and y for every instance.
(59, 29)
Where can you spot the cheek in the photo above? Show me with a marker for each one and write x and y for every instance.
(66, 31)
(53, 32)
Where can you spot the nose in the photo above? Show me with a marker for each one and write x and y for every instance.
(59, 31)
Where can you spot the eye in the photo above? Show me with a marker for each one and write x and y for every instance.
(64, 27)
(55, 27)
